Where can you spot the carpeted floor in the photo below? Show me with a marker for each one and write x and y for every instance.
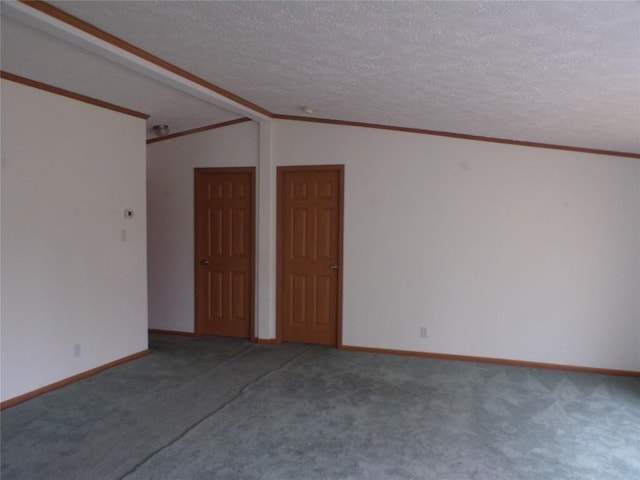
(204, 408)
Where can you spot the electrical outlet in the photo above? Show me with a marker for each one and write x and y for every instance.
(423, 331)
(77, 350)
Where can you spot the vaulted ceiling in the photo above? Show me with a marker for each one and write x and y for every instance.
(565, 73)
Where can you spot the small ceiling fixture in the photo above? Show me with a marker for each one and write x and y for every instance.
(160, 130)
(307, 110)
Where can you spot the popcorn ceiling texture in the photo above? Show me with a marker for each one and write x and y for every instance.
(557, 72)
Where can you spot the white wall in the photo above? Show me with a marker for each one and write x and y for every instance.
(170, 178)
(501, 251)
(73, 269)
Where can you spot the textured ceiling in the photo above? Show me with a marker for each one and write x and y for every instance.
(556, 72)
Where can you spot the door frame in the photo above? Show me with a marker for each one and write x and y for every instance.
(252, 245)
(279, 244)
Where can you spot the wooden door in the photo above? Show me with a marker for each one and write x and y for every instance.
(224, 233)
(310, 246)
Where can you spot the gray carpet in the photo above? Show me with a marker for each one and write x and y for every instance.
(225, 409)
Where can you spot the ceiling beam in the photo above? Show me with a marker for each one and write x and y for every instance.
(56, 22)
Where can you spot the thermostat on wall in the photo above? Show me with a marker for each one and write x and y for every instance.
(128, 213)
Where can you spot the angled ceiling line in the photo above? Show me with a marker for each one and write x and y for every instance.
(49, 19)
(205, 128)
(69, 94)
(462, 136)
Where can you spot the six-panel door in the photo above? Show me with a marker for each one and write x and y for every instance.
(310, 242)
(224, 251)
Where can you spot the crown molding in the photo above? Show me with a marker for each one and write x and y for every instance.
(198, 130)
(463, 136)
(69, 94)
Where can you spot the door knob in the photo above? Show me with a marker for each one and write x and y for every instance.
(334, 267)
(204, 262)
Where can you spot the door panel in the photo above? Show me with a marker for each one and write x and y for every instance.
(310, 243)
(224, 251)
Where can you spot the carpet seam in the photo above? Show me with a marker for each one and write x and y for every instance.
(217, 410)
(208, 371)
